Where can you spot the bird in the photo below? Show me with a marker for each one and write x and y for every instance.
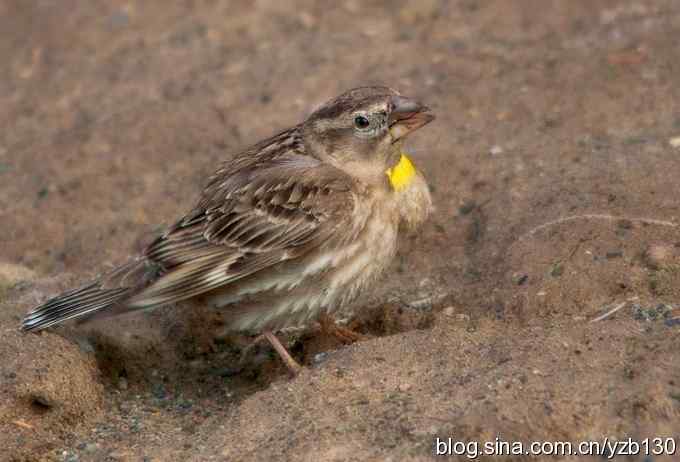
(287, 232)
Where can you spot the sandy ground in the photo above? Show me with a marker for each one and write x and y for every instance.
(541, 302)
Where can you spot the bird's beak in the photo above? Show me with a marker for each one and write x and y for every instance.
(407, 116)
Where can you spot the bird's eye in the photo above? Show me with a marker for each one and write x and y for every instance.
(361, 122)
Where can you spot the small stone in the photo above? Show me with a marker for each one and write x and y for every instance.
(625, 224)
(521, 279)
(496, 150)
(424, 304)
(43, 401)
(449, 311)
(404, 387)
(664, 310)
(670, 322)
(674, 142)
(638, 312)
(117, 455)
(122, 383)
(320, 357)
(85, 345)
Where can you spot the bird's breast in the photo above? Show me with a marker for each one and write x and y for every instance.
(328, 279)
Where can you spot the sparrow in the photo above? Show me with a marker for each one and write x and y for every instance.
(288, 231)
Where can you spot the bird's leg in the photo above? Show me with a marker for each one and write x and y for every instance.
(292, 365)
(288, 360)
(345, 335)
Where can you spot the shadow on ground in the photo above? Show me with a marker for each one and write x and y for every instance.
(541, 302)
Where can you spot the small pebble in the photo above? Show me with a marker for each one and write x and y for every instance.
(638, 312)
(421, 304)
(85, 345)
(614, 254)
(674, 142)
(320, 357)
(117, 455)
(496, 150)
(42, 400)
(449, 311)
(661, 310)
(625, 224)
(664, 310)
(670, 322)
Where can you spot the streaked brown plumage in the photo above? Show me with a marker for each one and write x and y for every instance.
(296, 226)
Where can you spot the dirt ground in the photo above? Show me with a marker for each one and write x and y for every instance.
(541, 302)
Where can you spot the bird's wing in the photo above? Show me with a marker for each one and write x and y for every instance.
(249, 220)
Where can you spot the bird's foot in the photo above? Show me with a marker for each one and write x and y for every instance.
(345, 335)
(293, 366)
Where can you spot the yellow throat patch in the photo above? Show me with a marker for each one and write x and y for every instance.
(401, 174)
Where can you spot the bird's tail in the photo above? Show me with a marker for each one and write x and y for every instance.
(106, 294)
(72, 304)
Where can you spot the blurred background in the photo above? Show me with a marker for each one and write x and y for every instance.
(554, 164)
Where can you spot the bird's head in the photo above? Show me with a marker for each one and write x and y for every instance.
(361, 130)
